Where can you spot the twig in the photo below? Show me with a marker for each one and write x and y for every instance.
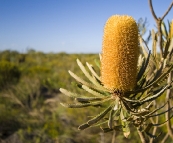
(165, 138)
(142, 136)
(113, 136)
(155, 129)
(167, 115)
(152, 10)
(167, 11)
(159, 22)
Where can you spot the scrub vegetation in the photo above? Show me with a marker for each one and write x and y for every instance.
(33, 86)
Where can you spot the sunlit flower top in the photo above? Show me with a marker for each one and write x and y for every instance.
(120, 52)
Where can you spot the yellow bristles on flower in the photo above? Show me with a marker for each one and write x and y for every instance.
(120, 53)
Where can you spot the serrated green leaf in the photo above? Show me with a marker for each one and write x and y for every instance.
(93, 71)
(126, 132)
(97, 62)
(140, 61)
(100, 56)
(145, 52)
(162, 113)
(80, 105)
(88, 98)
(154, 43)
(83, 126)
(98, 124)
(141, 112)
(92, 91)
(170, 30)
(164, 30)
(80, 80)
(156, 73)
(106, 130)
(76, 105)
(151, 98)
(154, 111)
(86, 73)
(167, 45)
(125, 126)
(131, 100)
(117, 128)
(116, 115)
(100, 116)
(110, 121)
(143, 68)
(68, 93)
(151, 84)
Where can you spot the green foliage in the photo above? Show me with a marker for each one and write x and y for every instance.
(9, 73)
(10, 121)
(10, 56)
(33, 101)
(31, 106)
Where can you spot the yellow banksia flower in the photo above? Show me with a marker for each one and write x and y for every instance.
(120, 53)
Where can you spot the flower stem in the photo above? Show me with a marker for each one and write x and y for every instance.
(142, 136)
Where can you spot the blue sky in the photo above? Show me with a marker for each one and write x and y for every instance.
(72, 26)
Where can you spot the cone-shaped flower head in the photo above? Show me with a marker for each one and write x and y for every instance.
(120, 52)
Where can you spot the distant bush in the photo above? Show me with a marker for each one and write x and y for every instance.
(38, 70)
(10, 122)
(8, 55)
(9, 73)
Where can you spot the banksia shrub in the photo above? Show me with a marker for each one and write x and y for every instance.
(124, 90)
(120, 53)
